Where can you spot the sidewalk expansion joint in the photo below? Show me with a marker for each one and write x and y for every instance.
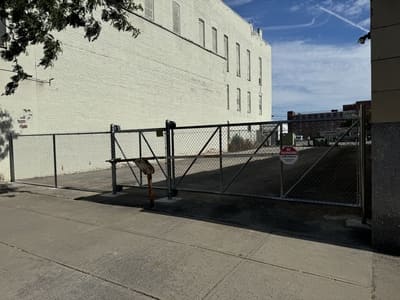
(241, 257)
(79, 270)
(235, 267)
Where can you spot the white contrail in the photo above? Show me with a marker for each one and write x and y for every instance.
(343, 19)
(283, 27)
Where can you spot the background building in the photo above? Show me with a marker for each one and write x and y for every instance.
(195, 62)
(321, 124)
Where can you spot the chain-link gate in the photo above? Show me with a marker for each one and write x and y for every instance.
(244, 160)
(227, 159)
(127, 146)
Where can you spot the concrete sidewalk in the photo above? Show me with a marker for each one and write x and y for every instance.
(55, 247)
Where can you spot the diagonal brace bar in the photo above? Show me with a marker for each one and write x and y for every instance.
(154, 155)
(249, 159)
(197, 156)
(129, 165)
(320, 159)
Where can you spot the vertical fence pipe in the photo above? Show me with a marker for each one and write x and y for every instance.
(113, 163)
(280, 162)
(140, 156)
(220, 160)
(173, 158)
(55, 161)
(168, 157)
(228, 134)
(11, 154)
(362, 162)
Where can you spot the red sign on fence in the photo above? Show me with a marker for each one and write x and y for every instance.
(289, 155)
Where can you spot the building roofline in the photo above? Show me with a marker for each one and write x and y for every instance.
(177, 35)
(243, 20)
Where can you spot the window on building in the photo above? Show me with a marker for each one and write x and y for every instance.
(2, 32)
(226, 49)
(227, 97)
(176, 17)
(149, 9)
(239, 100)
(202, 33)
(260, 70)
(248, 65)
(238, 59)
(260, 105)
(215, 40)
(249, 102)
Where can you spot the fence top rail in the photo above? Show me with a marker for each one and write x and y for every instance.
(192, 127)
(141, 130)
(267, 123)
(92, 132)
(65, 133)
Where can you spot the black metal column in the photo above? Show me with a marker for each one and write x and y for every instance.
(55, 161)
(140, 156)
(168, 158)
(362, 163)
(11, 154)
(113, 162)
(221, 174)
(282, 192)
(169, 127)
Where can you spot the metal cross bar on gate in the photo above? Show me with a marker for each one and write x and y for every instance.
(320, 158)
(154, 155)
(126, 159)
(250, 158)
(197, 156)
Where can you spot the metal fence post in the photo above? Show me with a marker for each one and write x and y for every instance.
(140, 156)
(170, 153)
(113, 162)
(173, 159)
(168, 157)
(362, 162)
(281, 164)
(220, 159)
(55, 161)
(228, 134)
(11, 154)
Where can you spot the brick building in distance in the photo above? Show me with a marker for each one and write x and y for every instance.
(323, 124)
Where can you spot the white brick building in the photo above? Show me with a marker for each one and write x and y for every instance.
(195, 62)
(141, 82)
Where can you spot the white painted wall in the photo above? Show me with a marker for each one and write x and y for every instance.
(139, 83)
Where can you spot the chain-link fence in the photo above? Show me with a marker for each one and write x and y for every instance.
(70, 160)
(244, 159)
(131, 145)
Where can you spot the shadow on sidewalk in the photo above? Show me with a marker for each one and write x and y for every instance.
(327, 224)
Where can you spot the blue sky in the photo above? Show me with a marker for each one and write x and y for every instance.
(316, 61)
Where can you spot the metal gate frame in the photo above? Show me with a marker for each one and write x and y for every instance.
(173, 185)
(360, 122)
(114, 161)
